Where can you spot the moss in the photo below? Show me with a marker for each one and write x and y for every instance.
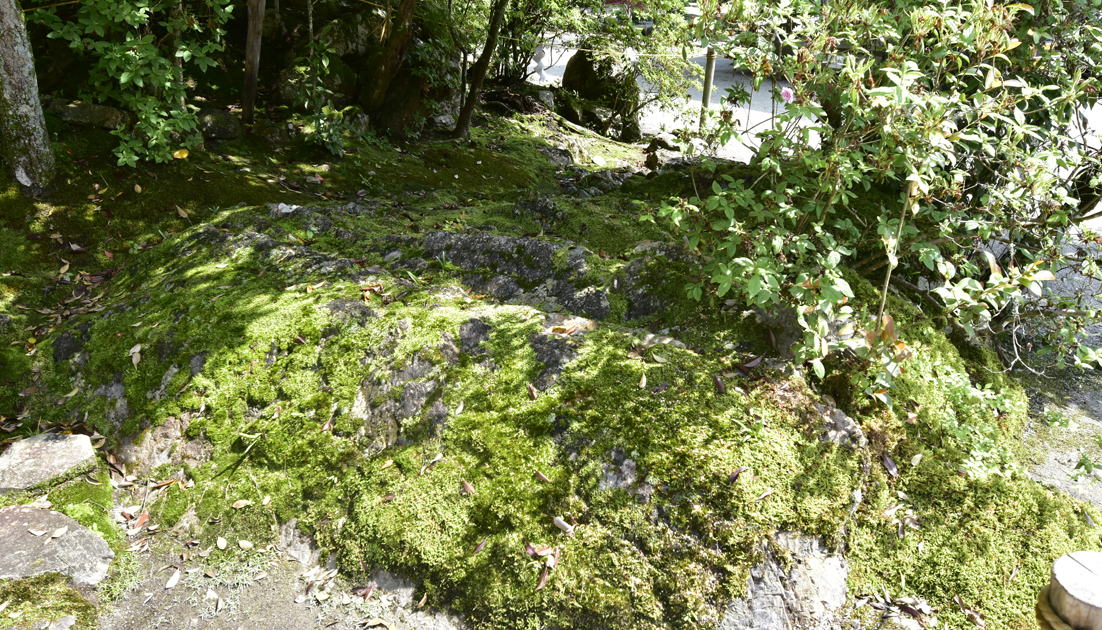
(44, 597)
(281, 374)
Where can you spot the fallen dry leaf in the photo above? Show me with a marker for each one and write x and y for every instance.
(221, 543)
(59, 532)
(36, 532)
(172, 581)
(889, 463)
(542, 477)
(237, 505)
(467, 487)
(480, 547)
(244, 544)
(543, 579)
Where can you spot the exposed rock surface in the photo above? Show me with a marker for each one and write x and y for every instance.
(64, 546)
(780, 599)
(162, 445)
(216, 124)
(44, 459)
(840, 428)
(81, 113)
(527, 271)
(58, 624)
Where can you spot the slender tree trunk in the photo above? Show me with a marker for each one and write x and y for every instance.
(24, 143)
(252, 59)
(478, 72)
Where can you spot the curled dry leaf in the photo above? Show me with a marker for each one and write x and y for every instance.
(173, 581)
(373, 622)
(916, 460)
(736, 472)
(530, 549)
(467, 487)
(542, 477)
(643, 382)
(657, 357)
(480, 547)
(387, 464)
(244, 544)
(423, 600)
(720, 387)
(237, 505)
(764, 495)
(37, 532)
(261, 575)
(532, 392)
(543, 578)
(266, 500)
(544, 551)
(221, 543)
(59, 532)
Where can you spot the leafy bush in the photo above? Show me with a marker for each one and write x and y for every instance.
(143, 55)
(968, 110)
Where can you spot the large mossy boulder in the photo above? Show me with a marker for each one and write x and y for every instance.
(602, 95)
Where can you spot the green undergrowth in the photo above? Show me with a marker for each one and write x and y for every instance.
(288, 345)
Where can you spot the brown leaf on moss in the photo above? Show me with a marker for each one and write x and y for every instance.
(543, 579)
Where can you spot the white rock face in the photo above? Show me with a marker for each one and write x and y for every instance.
(798, 598)
(44, 459)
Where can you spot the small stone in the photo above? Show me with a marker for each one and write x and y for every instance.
(44, 459)
(79, 554)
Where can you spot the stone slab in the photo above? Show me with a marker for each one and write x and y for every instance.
(78, 553)
(45, 459)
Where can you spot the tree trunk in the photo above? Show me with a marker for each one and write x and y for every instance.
(252, 59)
(25, 143)
(478, 72)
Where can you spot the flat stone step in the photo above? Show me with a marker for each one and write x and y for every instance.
(34, 541)
(42, 460)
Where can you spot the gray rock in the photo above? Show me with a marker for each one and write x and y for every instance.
(558, 156)
(448, 348)
(299, 546)
(471, 335)
(381, 414)
(216, 124)
(60, 624)
(554, 353)
(116, 391)
(840, 428)
(277, 134)
(77, 553)
(547, 97)
(780, 599)
(42, 460)
(161, 445)
(80, 113)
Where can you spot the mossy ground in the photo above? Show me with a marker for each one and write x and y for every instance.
(279, 373)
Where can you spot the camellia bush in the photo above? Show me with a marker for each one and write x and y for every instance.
(937, 148)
